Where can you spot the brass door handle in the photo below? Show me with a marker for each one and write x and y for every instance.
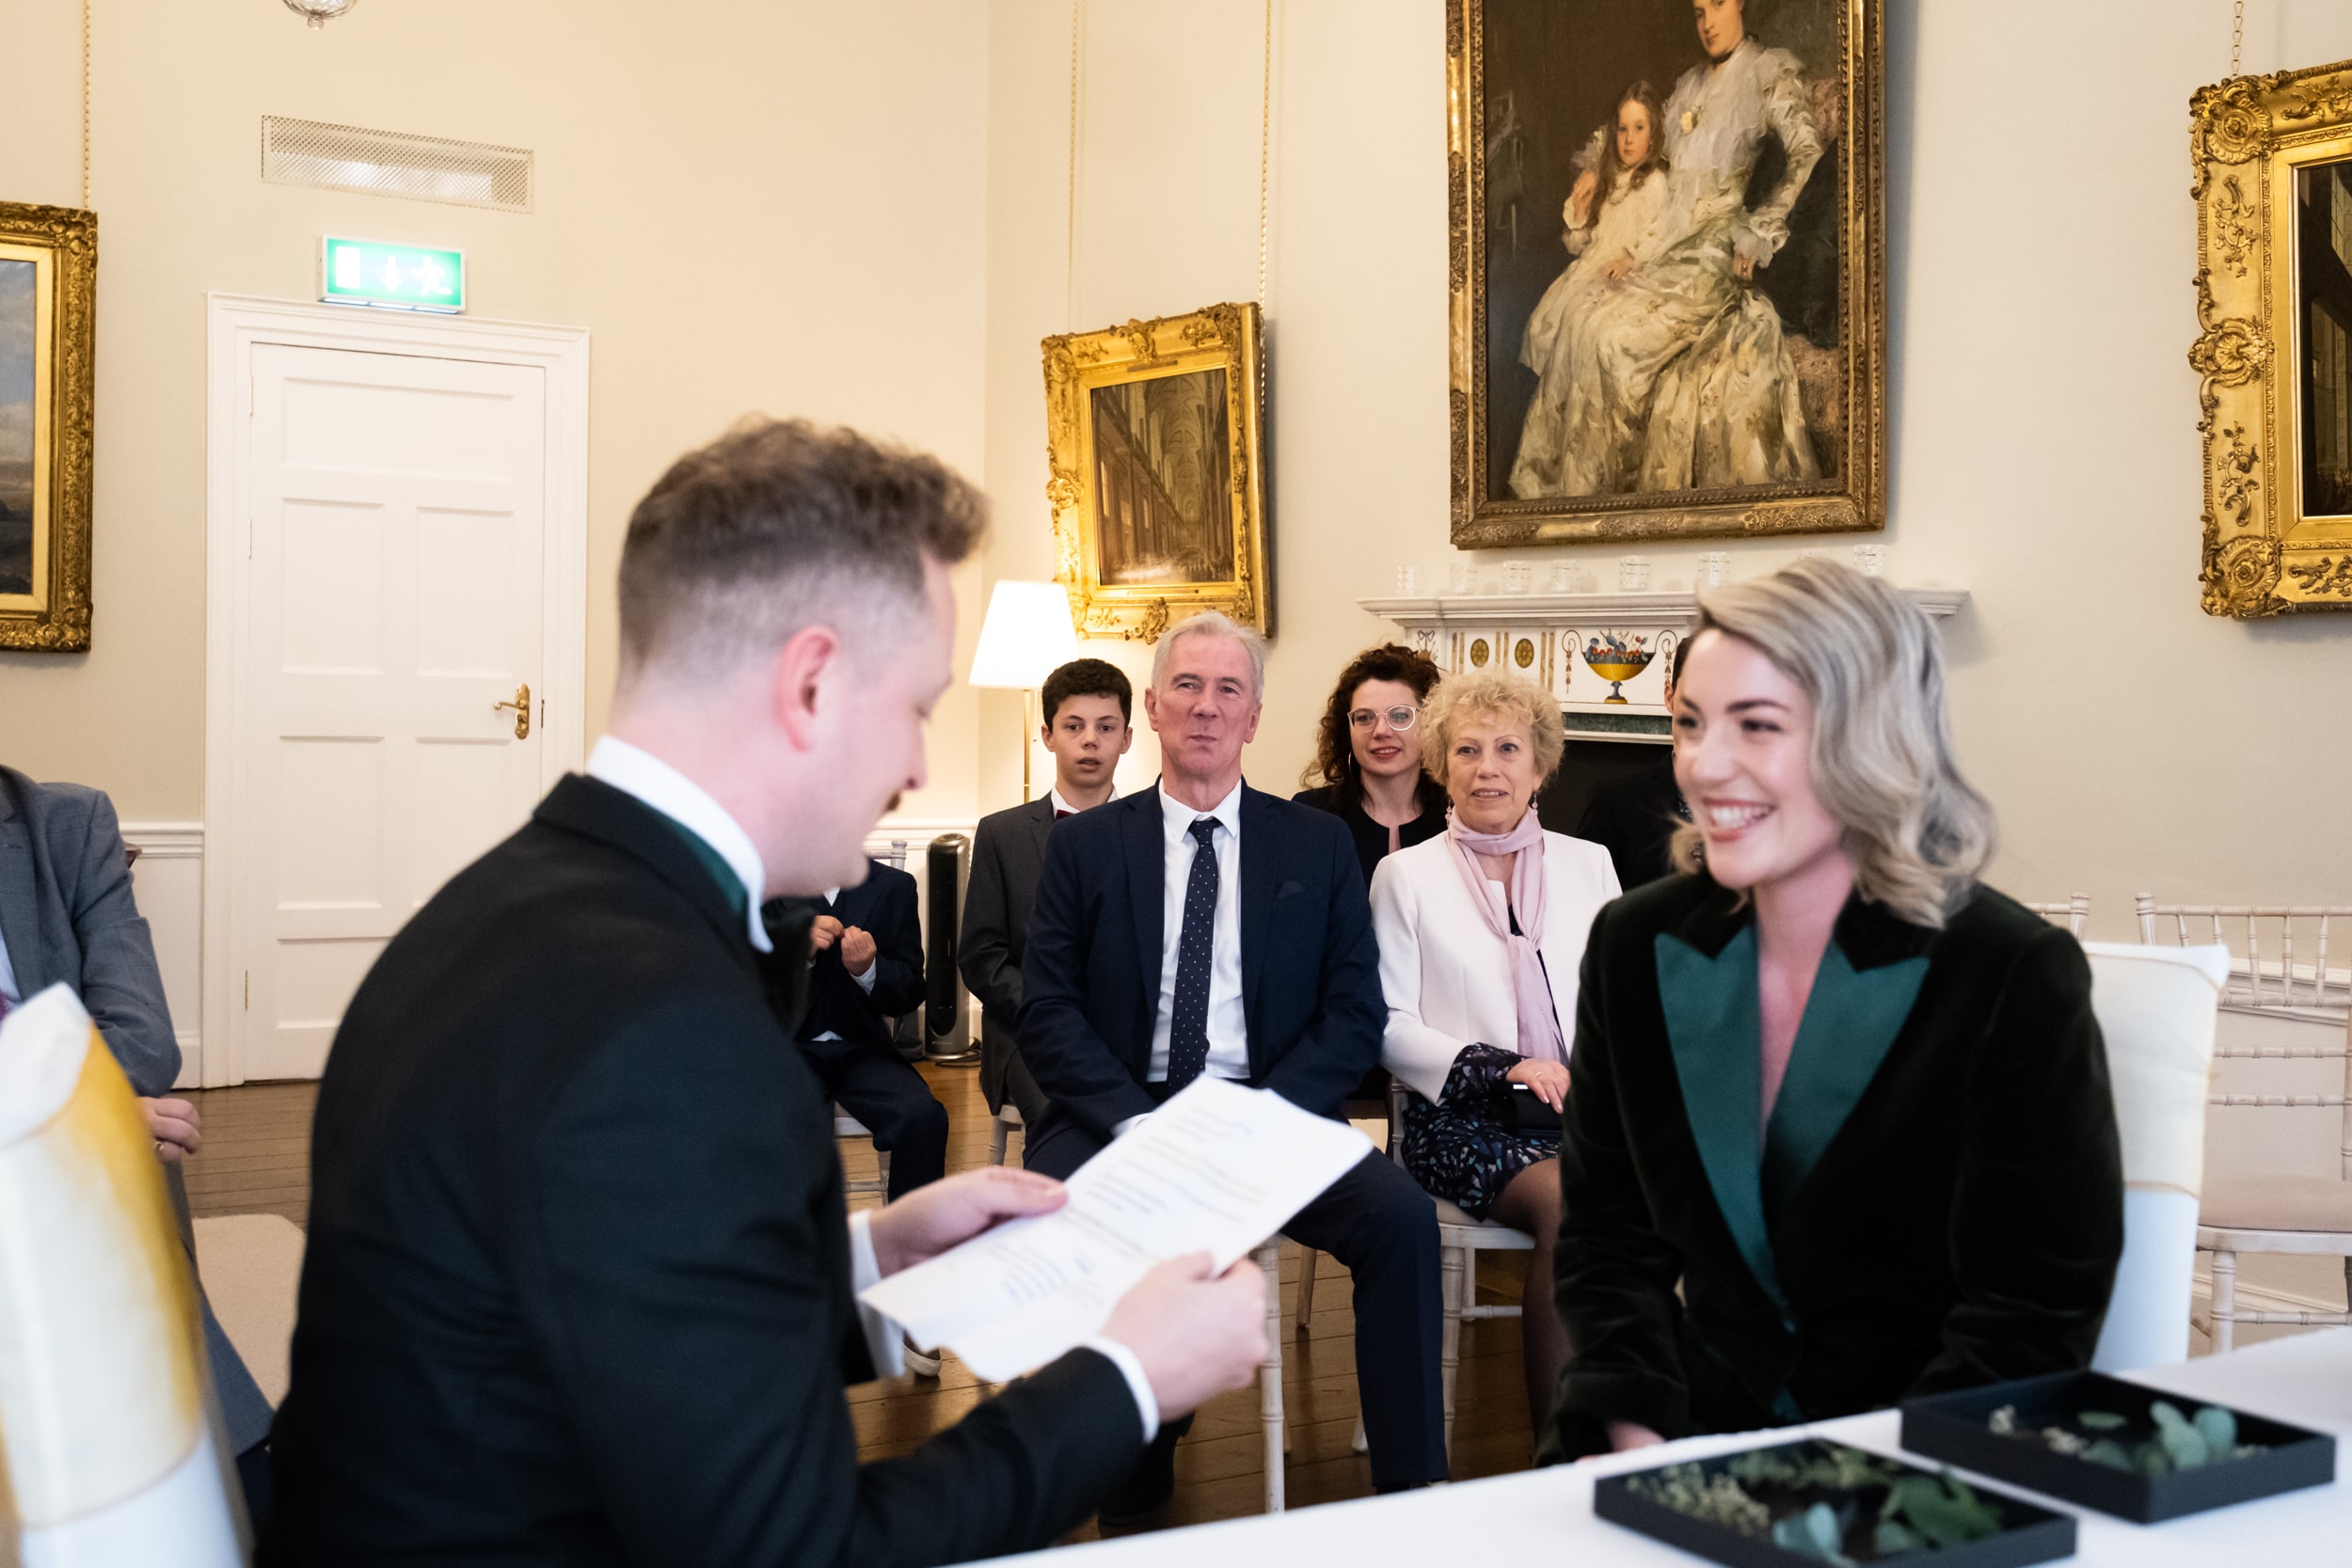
(521, 704)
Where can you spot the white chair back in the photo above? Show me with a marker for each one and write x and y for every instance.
(2267, 977)
(2155, 1008)
(2073, 913)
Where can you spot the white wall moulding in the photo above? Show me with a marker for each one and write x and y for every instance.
(168, 880)
(1563, 643)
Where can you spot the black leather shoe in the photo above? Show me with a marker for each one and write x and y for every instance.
(1149, 1485)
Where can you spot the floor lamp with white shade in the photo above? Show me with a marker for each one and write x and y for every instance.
(1025, 638)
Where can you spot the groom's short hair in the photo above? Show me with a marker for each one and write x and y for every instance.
(782, 523)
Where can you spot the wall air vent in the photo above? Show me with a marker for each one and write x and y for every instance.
(392, 163)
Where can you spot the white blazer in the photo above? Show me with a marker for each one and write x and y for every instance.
(1447, 979)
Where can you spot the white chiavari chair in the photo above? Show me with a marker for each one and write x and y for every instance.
(2269, 975)
(1460, 1240)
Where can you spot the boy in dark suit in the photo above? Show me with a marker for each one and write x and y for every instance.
(1087, 727)
(866, 968)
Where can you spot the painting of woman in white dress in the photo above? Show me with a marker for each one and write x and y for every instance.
(1666, 301)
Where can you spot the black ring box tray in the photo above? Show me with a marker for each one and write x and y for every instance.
(2029, 1533)
(1956, 1428)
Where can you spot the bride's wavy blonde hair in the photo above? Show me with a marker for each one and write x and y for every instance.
(1918, 833)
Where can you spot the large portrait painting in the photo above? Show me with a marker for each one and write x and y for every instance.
(1155, 473)
(2273, 158)
(1667, 275)
(48, 262)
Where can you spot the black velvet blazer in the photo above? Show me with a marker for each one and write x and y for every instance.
(1938, 1201)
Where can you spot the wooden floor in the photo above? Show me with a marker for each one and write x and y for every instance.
(256, 1160)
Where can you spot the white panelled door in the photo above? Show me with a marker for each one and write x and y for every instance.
(395, 583)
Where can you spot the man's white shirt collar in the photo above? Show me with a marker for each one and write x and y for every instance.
(1060, 805)
(1179, 818)
(636, 771)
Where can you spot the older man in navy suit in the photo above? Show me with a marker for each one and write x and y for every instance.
(1201, 927)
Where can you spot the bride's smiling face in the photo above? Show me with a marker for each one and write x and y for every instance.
(1633, 133)
(1722, 25)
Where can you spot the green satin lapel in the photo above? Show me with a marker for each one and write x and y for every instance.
(1851, 1022)
(1713, 1027)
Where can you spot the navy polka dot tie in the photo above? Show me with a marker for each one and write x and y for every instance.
(1196, 949)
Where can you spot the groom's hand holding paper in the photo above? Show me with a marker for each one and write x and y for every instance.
(1215, 1170)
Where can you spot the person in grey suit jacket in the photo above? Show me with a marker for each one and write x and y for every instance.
(66, 916)
(1089, 725)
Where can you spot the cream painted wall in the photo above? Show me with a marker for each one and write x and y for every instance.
(752, 205)
(2041, 242)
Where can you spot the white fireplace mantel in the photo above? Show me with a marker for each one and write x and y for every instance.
(1543, 637)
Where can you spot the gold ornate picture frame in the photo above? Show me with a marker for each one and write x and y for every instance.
(2272, 159)
(1605, 379)
(48, 295)
(1156, 476)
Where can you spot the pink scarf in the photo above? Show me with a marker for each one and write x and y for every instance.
(1539, 1025)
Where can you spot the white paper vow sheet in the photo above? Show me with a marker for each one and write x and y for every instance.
(1218, 1169)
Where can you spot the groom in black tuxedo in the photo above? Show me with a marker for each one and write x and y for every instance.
(580, 1287)
(1202, 928)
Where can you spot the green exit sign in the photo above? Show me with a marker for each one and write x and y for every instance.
(400, 277)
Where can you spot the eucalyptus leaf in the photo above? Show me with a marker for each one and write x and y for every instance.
(2099, 1420)
(2107, 1451)
(2218, 1428)
(1813, 1533)
(2182, 1443)
(1893, 1537)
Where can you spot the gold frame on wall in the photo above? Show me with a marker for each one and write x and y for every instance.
(1220, 338)
(2248, 138)
(1852, 501)
(62, 245)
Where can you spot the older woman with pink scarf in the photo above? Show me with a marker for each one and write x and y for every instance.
(1482, 931)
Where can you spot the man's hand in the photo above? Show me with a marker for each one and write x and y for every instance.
(857, 948)
(1197, 1334)
(929, 1220)
(175, 1127)
(1549, 1080)
(1626, 1435)
(823, 932)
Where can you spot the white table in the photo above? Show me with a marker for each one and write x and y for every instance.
(1546, 1515)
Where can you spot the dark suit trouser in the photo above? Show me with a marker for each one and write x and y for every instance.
(1382, 1228)
(876, 1085)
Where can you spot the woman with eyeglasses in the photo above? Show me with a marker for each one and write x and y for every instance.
(1368, 758)
(1482, 932)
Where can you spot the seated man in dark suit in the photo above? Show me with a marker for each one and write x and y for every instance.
(580, 1286)
(1089, 725)
(67, 915)
(866, 969)
(1634, 816)
(1203, 927)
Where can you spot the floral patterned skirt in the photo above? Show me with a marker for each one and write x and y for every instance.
(1467, 1147)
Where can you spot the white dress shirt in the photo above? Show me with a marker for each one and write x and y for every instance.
(1061, 805)
(7, 975)
(636, 771)
(1229, 1025)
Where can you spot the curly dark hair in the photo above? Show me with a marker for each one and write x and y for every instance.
(1335, 754)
